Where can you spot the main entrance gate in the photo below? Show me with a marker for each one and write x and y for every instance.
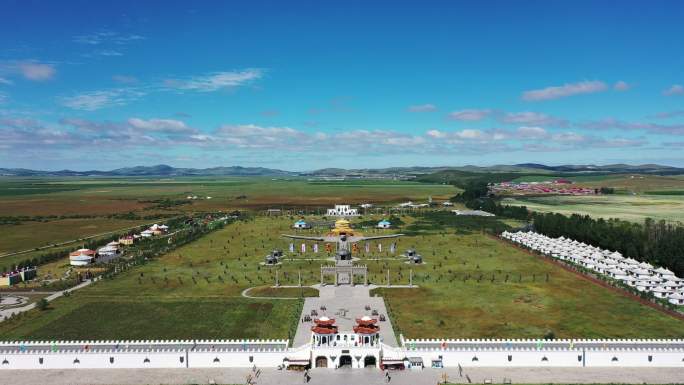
(345, 361)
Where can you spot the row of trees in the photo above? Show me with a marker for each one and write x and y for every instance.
(659, 243)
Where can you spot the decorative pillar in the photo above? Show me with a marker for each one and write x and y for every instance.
(335, 277)
(277, 284)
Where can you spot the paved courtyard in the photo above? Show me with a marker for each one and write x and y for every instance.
(342, 376)
(344, 303)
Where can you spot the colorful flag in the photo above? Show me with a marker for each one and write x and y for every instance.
(393, 247)
(291, 247)
(367, 247)
(380, 247)
(315, 247)
(303, 247)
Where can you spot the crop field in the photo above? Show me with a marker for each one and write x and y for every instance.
(471, 285)
(633, 208)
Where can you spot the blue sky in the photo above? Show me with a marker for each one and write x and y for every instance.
(304, 85)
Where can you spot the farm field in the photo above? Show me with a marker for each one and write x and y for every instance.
(633, 208)
(470, 286)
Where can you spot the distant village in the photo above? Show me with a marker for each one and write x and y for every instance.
(551, 187)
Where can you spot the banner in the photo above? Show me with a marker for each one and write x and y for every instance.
(393, 247)
(315, 247)
(291, 247)
(303, 247)
(367, 247)
(380, 247)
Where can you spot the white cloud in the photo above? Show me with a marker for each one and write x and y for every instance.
(532, 132)
(621, 86)
(422, 108)
(5, 81)
(568, 137)
(436, 134)
(568, 89)
(95, 100)
(469, 134)
(532, 118)
(106, 37)
(161, 125)
(469, 115)
(36, 71)
(675, 89)
(216, 81)
(610, 124)
(108, 52)
(3, 97)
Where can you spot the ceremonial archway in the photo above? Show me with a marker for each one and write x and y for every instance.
(369, 361)
(321, 362)
(345, 361)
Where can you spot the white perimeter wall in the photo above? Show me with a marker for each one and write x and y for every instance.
(452, 357)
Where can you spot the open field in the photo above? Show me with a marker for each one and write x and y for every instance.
(135, 201)
(110, 196)
(30, 235)
(633, 208)
(470, 286)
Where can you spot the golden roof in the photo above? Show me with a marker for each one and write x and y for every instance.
(342, 226)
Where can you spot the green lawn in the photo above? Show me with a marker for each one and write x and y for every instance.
(196, 290)
(87, 317)
(283, 292)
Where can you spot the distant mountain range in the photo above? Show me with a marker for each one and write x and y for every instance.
(169, 171)
(158, 170)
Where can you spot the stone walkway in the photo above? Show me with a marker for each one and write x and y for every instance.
(344, 303)
(341, 376)
(51, 297)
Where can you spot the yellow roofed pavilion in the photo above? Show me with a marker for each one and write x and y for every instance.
(343, 227)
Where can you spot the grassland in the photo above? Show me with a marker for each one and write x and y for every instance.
(470, 286)
(633, 208)
(64, 209)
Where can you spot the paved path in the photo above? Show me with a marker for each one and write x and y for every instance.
(53, 296)
(344, 303)
(339, 377)
(245, 293)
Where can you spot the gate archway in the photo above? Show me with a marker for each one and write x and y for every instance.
(345, 361)
(321, 362)
(369, 361)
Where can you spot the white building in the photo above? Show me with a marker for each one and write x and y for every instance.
(301, 224)
(384, 224)
(661, 282)
(342, 211)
